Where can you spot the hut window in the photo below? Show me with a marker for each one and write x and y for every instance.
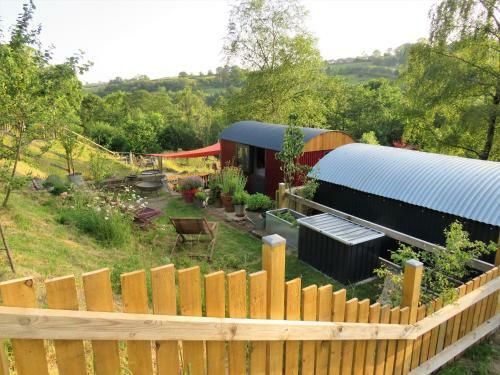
(243, 157)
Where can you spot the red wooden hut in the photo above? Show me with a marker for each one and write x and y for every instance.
(253, 145)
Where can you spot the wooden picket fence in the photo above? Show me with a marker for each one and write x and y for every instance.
(236, 324)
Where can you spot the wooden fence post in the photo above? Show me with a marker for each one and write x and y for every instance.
(282, 195)
(412, 280)
(273, 261)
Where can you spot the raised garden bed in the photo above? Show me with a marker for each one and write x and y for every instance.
(284, 222)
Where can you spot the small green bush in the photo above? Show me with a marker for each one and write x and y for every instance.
(94, 215)
(259, 202)
(57, 184)
(240, 197)
(200, 195)
(287, 216)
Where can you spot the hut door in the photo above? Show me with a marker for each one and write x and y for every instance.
(257, 179)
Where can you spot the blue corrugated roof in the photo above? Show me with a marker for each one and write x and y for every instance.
(468, 188)
(260, 134)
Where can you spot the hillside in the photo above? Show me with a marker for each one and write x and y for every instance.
(355, 69)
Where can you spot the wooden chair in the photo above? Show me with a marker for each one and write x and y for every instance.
(185, 226)
(144, 217)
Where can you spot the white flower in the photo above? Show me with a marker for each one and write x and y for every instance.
(106, 218)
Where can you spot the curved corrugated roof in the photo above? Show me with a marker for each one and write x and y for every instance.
(260, 134)
(468, 188)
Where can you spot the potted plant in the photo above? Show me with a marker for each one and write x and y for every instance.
(189, 186)
(283, 221)
(232, 180)
(215, 186)
(200, 198)
(257, 205)
(239, 202)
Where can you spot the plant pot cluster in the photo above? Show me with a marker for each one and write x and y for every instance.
(189, 187)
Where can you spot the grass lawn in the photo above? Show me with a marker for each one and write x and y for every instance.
(481, 359)
(44, 248)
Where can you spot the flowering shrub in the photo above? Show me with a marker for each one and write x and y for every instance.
(189, 183)
(105, 216)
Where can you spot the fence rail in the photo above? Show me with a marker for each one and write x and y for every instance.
(236, 324)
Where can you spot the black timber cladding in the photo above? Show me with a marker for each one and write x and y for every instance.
(416, 221)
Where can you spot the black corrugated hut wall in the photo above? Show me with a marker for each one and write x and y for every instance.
(420, 222)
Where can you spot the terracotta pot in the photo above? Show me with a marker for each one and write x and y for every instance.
(227, 202)
(188, 195)
(218, 203)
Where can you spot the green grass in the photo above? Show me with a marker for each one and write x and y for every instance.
(481, 359)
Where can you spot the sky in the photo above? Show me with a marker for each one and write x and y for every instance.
(164, 37)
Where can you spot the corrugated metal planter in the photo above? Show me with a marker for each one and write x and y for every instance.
(276, 225)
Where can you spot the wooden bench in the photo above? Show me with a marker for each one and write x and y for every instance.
(187, 226)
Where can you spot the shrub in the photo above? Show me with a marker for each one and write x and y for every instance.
(189, 183)
(99, 167)
(233, 180)
(240, 197)
(441, 265)
(106, 219)
(259, 202)
(215, 186)
(200, 195)
(57, 184)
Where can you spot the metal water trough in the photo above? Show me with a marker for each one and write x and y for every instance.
(346, 251)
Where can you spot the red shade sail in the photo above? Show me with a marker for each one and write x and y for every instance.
(205, 151)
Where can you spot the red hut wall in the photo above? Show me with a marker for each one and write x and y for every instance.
(227, 152)
(274, 175)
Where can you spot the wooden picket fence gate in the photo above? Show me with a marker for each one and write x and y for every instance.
(237, 324)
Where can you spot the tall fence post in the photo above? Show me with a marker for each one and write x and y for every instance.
(412, 280)
(273, 262)
(282, 195)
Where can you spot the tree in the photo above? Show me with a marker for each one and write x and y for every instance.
(453, 81)
(267, 37)
(33, 93)
(291, 149)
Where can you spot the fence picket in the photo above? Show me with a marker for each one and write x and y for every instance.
(417, 345)
(471, 320)
(338, 315)
(435, 331)
(458, 318)
(351, 315)
(258, 310)
(215, 306)
(273, 262)
(484, 302)
(309, 305)
(99, 297)
(360, 346)
(70, 355)
(465, 315)
(165, 303)
(324, 314)
(4, 361)
(493, 299)
(135, 300)
(29, 355)
(385, 312)
(371, 345)
(391, 344)
(193, 353)
(292, 292)
(404, 318)
(237, 308)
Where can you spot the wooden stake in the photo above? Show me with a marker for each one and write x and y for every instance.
(7, 250)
